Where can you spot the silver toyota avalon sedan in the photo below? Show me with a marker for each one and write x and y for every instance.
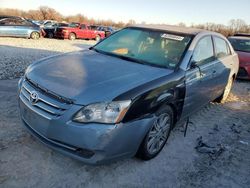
(123, 96)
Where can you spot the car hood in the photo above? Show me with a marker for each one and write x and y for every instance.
(87, 76)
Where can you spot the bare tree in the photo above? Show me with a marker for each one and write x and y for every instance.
(237, 25)
(182, 24)
(47, 13)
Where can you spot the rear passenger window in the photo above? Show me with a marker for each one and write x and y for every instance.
(11, 21)
(204, 51)
(7, 21)
(221, 47)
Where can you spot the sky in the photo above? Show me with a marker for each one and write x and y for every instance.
(149, 11)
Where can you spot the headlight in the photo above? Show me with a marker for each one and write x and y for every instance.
(112, 112)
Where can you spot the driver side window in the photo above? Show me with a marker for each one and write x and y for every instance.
(204, 51)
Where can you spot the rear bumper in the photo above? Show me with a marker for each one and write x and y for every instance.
(91, 143)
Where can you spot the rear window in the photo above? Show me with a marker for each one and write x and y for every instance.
(221, 47)
(242, 45)
(14, 21)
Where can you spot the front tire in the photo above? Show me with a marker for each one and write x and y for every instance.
(35, 35)
(158, 134)
(224, 96)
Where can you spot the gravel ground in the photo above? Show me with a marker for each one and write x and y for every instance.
(222, 160)
(17, 53)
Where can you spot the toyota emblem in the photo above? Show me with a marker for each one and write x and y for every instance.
(33, 97)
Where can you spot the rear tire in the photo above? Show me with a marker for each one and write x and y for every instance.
(158, 134)
(35, 35)
(72, 36)
(222, 99)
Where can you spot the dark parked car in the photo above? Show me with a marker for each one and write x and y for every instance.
(241, 45)
(19, 27)
(108, 30)
(46, 23)
(123, 96)
(50, 31)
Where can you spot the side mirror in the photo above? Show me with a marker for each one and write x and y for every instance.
(193, 64)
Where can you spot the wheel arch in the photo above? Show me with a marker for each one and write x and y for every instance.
(175, 111)
(143, 107)
(149, 97)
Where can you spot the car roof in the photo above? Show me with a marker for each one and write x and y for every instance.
(172, 28)
(15, 17)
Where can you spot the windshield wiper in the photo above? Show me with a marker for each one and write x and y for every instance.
(131, 59)
(99, 51)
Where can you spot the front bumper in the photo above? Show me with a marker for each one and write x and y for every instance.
(91, 143)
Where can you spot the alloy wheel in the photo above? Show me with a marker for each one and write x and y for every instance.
(72, 36)
(158, 133)
(35, 35)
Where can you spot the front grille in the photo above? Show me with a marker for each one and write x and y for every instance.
(242, 72)
(46, 105)
(51, 94)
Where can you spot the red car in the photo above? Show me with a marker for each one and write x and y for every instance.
(79, 31)
(241, 45)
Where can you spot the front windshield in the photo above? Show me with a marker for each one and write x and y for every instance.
(240, 44)
(155, 48)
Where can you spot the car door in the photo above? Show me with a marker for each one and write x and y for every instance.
(200, 81)
(222, 65)
(91, 32)
(83, 32)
